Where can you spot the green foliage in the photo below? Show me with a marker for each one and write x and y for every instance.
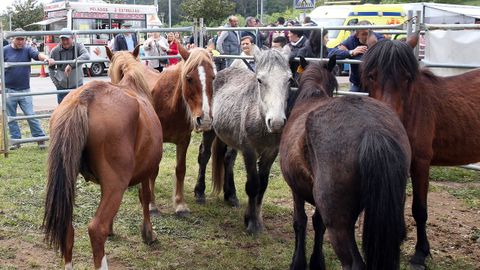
(26, 12)
(212, 11)
(288, 14)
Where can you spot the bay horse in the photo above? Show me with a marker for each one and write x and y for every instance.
(440, 114)
(182, 97)
(109, 133)
(248, 115)
(344, 155)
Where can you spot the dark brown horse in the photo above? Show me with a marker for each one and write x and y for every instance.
(182, 97)
(440, 114)
(345, 155)
(108, 132)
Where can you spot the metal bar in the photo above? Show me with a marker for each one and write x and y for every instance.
(416, 51)
(471, 167)
(39, 93)
(27, 140)
(4, 99)
(351, 27)
(200, 30)
(451, 26)
(26, 117)
(98, 31)
(427, 63)
(98, 60)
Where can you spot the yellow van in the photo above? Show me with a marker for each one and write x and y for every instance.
(343, 15)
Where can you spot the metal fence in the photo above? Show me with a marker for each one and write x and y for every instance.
(198, 31)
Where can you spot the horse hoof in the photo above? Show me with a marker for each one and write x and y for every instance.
(254, 228)
(182, 213)
(148, 236)
(200, 199)
(417, 267)
(233, 202)
(154, 212)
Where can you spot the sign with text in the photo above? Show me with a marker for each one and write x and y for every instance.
(304, 4)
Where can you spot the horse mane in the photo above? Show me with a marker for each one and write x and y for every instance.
(389, 61)
(196, 58)
(123, 65)
(268, 59)
(316, 82)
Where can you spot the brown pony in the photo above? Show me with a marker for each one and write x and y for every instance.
(110, 134)
(441, 116)
(182, 98)
(345, 155)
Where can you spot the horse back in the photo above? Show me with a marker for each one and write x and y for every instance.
(122, 129)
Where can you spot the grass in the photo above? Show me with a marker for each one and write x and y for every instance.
(212, 237)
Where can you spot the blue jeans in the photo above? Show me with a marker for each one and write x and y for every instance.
(356, 88)
(26, 105)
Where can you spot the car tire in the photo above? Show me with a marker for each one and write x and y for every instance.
(96, 69)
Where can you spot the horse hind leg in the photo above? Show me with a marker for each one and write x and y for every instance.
(299, 261)
(69, 248)
(99, 226)
(204, 153)
(342, 238)
(152, 206)
(181, 208)
(229, 190)
(317, 261)
(148, 235)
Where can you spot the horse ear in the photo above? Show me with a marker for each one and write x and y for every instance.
(182, 51)
(109, 52)
(303, 62)
(331, 63)
(136, 51)
(412, 40)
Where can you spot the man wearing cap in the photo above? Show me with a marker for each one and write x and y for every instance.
(17, 80)
(125, 41)
(67, 76)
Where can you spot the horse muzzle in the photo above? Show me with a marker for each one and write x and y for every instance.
(275, 125)
(202, 123)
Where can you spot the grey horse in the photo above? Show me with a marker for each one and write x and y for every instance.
(248, 115)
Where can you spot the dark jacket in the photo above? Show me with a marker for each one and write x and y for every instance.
(120, 44)
(351, 43)
(57, 71)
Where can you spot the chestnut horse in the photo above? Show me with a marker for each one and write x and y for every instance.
(440, 114)
(110, 134)
(344, 155)
(182, 97)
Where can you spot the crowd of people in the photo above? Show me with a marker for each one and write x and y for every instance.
(294, 43)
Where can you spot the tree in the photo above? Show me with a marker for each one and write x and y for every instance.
(212, 11)
(26, 12)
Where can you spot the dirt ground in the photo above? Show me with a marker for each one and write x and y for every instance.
(453, 231)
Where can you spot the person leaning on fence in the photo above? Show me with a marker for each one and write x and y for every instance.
(228, 42)
(125, 41)
(248, 49)
(354, 47)
(17, 80)
(156, 45)
(67, 76)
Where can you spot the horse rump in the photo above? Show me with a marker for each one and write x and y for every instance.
(383, 168)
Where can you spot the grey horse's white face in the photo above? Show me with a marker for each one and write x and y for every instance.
(273, 85)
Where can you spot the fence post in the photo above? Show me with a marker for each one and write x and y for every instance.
(418, 22)
(195, 31)
(4, 120)
(200, 29)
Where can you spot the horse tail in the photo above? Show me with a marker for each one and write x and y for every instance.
(68, 136)
(383, 166)
(218, 166)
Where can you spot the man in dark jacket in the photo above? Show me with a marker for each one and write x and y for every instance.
(67, 76)
(229, 41)
(297, 42)
(354, 47)
(125, 41)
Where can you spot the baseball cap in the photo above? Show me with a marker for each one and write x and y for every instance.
(65, 35)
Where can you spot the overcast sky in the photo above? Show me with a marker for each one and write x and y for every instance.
(5, 3)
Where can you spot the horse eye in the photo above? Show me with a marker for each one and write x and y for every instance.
(259, 81)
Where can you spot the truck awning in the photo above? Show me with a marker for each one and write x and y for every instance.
(48, 21)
